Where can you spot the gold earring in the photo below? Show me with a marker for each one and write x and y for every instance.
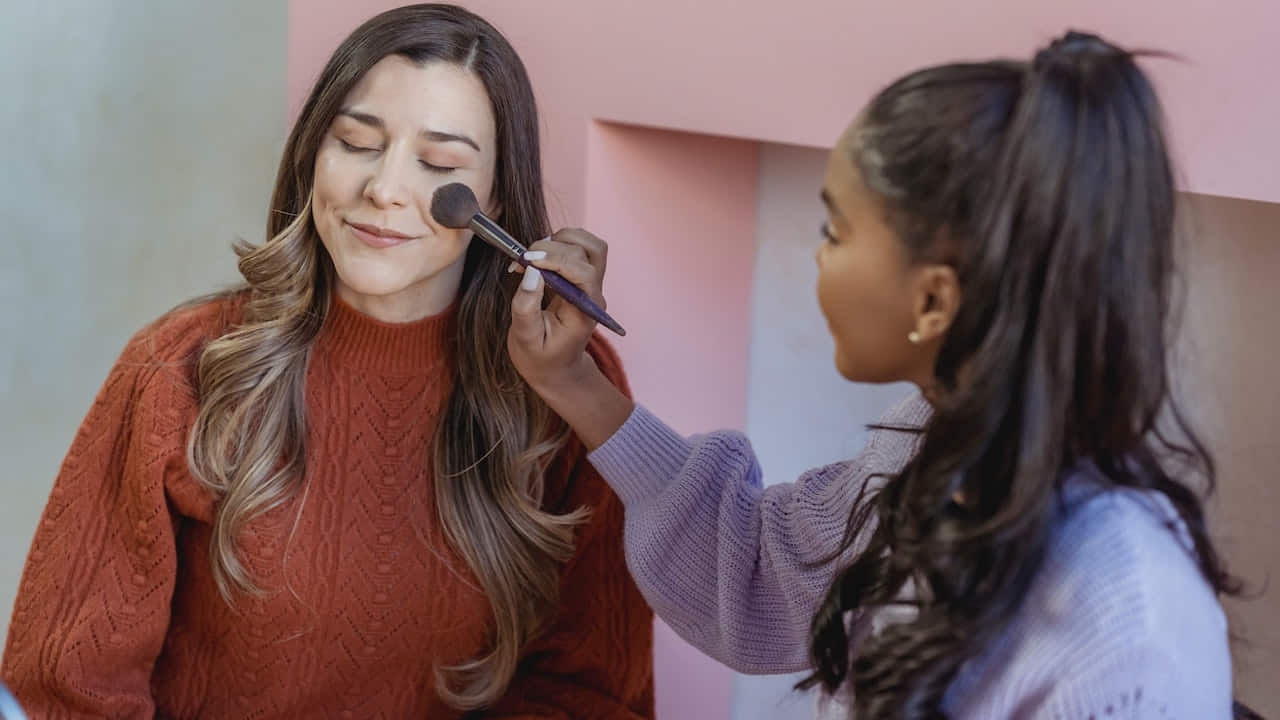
(914, 337)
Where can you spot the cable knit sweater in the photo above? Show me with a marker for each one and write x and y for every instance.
(117, 614)
(1118, 622)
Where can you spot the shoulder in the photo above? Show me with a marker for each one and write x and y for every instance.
(137, 428)
(180, 334)
(158, 365)
(910, 413)
(1131, 540)
(894, 439)
(176, 338)
(1120, 579)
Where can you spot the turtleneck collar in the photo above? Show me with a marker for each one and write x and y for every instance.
(351, 338)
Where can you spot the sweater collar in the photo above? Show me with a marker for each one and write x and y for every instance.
(353, 339)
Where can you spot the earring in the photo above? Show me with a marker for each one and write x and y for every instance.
(914, 337)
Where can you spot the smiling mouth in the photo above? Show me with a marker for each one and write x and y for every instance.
(378, 237)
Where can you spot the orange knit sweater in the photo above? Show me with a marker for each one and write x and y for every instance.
(117, 614)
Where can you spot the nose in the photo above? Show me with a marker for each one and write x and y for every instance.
(389, 186)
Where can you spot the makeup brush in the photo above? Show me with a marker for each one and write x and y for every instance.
(455, 206)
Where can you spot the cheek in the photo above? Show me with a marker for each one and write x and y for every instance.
(334, 182)
(863, 309)
(840, 288)
(321, 191)
(482, 182)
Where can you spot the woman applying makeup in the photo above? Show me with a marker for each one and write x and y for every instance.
(1025, 536)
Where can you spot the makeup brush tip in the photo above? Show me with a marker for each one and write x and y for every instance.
(454, 205)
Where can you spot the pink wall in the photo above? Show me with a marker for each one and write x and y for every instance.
(747, 69)
(678, 212)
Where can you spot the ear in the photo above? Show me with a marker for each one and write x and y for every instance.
(936, 301)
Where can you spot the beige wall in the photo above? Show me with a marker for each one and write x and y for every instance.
(140, 139)
(1230, 347)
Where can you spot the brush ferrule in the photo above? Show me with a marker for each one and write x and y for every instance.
(490, 232)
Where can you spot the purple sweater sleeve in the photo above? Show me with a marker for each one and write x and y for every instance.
(722, 559)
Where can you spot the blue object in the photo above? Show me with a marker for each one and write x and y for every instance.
(9, 707)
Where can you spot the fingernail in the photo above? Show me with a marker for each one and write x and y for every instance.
(532, 255)
(531, 280)
(514, 266)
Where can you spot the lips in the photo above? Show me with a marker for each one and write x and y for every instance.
(377, 236)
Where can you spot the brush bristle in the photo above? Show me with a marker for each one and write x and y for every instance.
(454, 205)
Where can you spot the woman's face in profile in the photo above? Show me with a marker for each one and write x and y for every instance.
(403, 131)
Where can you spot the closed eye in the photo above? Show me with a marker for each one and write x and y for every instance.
(827, 234)
(436, 168)
(355, 148)
(366, 150)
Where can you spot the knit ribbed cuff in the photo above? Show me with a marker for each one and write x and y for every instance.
(642, 458)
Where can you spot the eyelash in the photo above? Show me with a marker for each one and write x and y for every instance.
(362, 150)
(825, 231)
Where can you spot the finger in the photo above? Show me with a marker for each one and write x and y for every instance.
(559, 250)
(528, 326)
(570, 261)
(597, 250)
(529, 255)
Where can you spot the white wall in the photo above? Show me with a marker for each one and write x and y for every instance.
(800, 412)
(140, 139)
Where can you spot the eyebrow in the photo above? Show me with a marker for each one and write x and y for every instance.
(432, 135)
(831, 204)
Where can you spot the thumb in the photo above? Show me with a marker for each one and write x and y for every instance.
(528, 327)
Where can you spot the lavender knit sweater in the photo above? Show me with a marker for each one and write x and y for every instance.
(1118, 623)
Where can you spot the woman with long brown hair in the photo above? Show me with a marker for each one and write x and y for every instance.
(328, 492)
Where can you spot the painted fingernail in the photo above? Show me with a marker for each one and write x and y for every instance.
(532, 255)
(532, 279)
(514, 266)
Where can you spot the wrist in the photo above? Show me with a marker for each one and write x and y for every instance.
(568, 379)
(587, 400)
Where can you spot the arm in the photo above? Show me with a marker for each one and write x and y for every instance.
(93, 604)
(729, 564)
(726, 562)
(596, 660)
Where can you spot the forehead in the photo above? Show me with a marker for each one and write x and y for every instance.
(437, 95)
(843, 182)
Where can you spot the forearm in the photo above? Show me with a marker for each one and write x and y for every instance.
(588, 401)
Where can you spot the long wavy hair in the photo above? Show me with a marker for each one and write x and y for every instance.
(1048, 187)
(495, 439)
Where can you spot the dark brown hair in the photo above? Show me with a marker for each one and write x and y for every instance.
(1048, 186)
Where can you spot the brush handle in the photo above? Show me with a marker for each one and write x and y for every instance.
(577, 298)
(492, 233)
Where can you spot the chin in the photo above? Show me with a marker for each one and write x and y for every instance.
(861, 373)
(374, 282)
(845, 369)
